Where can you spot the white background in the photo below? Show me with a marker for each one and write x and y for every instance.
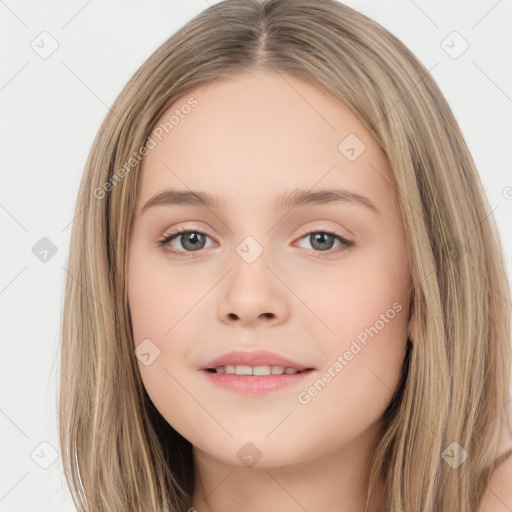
(52, 108)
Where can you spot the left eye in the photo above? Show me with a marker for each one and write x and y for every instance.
(193, 241)
(324, 240)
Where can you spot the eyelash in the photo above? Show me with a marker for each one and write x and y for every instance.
(164, 242)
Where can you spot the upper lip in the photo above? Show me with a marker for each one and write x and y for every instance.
(255, 358)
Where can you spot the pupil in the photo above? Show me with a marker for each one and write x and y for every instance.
(192, 240)
(319, 239)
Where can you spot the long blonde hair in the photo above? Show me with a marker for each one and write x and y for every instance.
(117, 450)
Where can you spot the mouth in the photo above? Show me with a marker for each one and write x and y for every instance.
(258, 371)
(256, 380)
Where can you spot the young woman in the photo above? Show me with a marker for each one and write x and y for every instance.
(286, 290)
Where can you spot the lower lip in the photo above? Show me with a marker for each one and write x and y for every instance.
(256, 383)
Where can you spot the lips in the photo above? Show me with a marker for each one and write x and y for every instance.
(255, 358)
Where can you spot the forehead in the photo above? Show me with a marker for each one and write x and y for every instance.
(261, 133)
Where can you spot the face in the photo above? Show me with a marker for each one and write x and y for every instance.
(323, 283)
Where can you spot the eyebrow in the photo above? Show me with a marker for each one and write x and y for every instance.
(297, 197)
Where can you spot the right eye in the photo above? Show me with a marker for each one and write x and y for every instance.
(195, 243)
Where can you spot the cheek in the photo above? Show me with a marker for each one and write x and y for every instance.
(168, 304)
(158, 298)
(158, 301)
(370, 287)
(366, 312)
(363, 332)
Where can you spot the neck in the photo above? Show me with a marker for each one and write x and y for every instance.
(336, 480)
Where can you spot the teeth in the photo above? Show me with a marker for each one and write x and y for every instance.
(240, 369)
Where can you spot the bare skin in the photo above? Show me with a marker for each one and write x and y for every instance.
(498, 494)
(251, 139)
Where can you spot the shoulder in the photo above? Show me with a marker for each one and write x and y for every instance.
(498, 495)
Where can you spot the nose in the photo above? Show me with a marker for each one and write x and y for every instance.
(252, 294)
